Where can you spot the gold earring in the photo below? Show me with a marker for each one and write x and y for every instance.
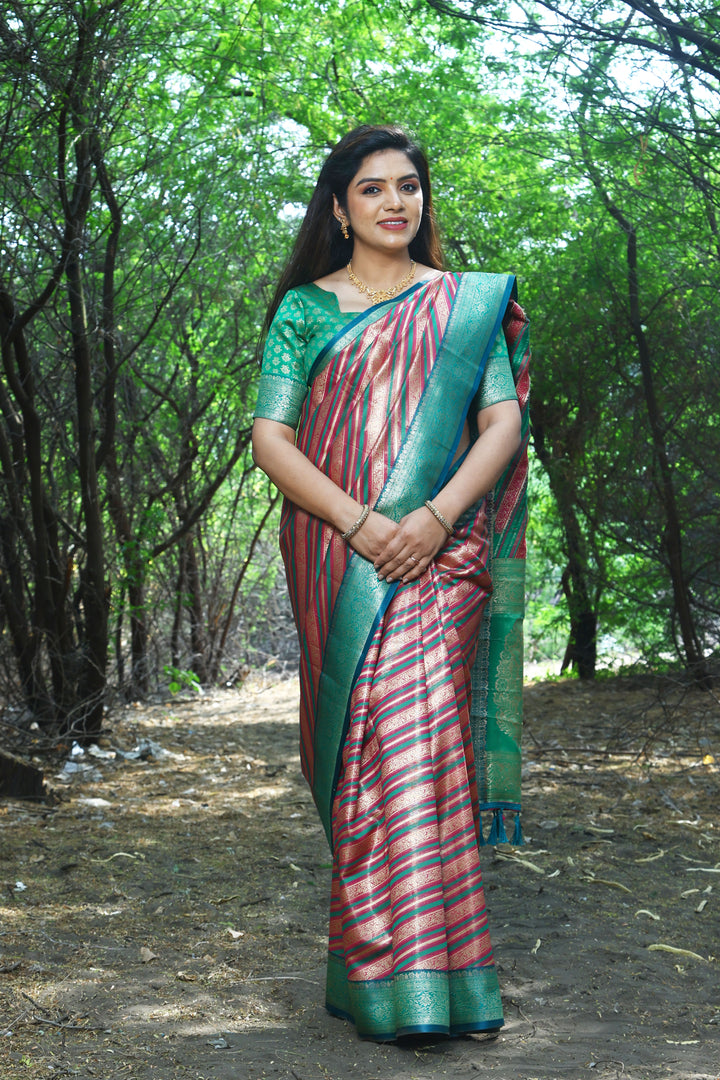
(344, 228)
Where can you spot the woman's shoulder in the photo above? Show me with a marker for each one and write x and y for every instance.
(311, 294)
(300, 304)
(311, 311)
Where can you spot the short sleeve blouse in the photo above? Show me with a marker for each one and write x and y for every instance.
(307, 319)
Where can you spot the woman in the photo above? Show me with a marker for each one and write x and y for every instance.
(387, 412)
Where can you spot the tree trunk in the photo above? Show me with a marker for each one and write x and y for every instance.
(25, 642)
(198, 640)
(672, 536)
(672, 541)
(86, 722)
(43, 628)
(581, 652)
(18, 780)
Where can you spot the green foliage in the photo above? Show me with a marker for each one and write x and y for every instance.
(181, 680)
(205, 128)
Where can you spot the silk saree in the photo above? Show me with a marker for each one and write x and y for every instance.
(386, 735)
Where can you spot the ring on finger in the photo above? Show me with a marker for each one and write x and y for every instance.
(413, 559)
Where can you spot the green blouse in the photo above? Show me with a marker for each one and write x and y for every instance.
(308, 318)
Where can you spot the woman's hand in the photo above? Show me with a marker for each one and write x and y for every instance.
(376, 533)
(408, 553)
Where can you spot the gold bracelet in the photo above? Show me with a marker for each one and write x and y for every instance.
(358, 524)
(449, 529)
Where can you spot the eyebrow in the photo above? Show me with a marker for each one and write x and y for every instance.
(383, 180)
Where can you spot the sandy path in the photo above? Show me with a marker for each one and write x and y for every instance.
(172, 922)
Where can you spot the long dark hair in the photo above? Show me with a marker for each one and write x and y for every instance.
(320, 247)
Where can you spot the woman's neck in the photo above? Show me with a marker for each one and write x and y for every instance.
(380, 270)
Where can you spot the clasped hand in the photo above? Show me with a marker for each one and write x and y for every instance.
(400, 550)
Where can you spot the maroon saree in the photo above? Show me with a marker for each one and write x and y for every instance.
(386, 741)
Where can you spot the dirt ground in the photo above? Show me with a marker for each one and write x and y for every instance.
(166, 917)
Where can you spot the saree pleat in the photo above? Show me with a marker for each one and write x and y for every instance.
(385, 673)
(407, 914)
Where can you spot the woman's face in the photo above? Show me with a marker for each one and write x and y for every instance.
(384, 202)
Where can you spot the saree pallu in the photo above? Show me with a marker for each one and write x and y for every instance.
(497, 675)
(385, 673)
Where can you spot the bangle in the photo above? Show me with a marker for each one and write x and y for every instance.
(440, 517)
(348, 535)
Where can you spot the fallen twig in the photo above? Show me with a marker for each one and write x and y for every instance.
(124, 855)
(609, 1061)
(35, 1003)
(64, 1027)
(508, 857)
(676, 952)
(606, 881)
(652, 858)
(236, 896)
(525, 1018)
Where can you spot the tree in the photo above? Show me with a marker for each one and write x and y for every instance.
(93, 287)
(155, 160)
(136, 261)
(672, 33)
(641, 93)
(63, 619)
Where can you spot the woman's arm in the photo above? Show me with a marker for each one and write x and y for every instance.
(275, 452)
(420, 535)
(487, 459)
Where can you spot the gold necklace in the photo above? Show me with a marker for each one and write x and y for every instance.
(378, 295)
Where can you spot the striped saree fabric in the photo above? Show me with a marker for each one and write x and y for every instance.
(385, 674)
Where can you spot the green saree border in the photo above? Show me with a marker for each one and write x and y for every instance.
(496, 698)
(443, 1002)
(420, 468)
(496, 709)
